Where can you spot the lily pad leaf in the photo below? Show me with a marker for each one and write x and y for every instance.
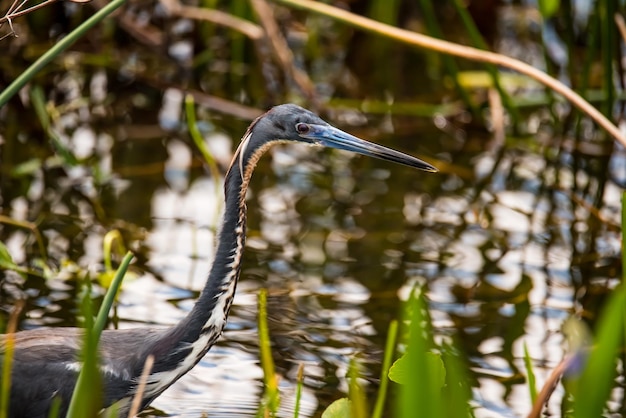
(436, 373)
(338, 409)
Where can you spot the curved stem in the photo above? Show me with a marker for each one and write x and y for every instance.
(474, 54)
(53, 52)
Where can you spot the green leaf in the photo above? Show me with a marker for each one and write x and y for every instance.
(422, 396)
(6, 261)
(528, 363)
(548, 8)
(601, 367)
(338, 409)
(400, 372)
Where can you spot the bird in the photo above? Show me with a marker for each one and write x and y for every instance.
(46, 361)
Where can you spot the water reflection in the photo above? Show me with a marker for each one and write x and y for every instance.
(513, 236)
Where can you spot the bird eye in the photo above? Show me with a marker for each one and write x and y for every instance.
(302, 128)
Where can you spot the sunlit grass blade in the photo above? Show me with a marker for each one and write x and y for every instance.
(39, 104)
(358, 401)
(457, 393)
(56, 50)
(532, 386)
(271, 397)
(479, 42)
(419, 397)
(55, 408)
(451, 67)
(109, 297)
(299, 384)
(390, 347)
(7, 360)
(32, 227)
(607, 10)
(601, 364)
(197, 138)
(86, 398)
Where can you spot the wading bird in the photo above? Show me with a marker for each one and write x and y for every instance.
(46, 360)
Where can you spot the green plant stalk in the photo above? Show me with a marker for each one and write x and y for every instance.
(30, 226)
(109, 297)
(267, 363)
(198, 140)
(300, 382)
(384, 379)
(56, 50)
(358, 402)
(458, 394)
(55, 408)
(107, 247)
(532, 386)
(449, 63)
(87, 395)
(419, 397)
(479, 42)
(623, 261)
(600, 366)
(39, 103)
(9, 349)
(7, 364)
(607, 34)
(93, 331)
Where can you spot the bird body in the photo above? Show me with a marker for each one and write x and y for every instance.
(46, 360)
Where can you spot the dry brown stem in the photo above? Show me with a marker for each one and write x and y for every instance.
(549, 386)
(282, 52)
(218, 17)
(474, 54)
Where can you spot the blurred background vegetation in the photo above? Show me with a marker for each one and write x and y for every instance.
(519, 231)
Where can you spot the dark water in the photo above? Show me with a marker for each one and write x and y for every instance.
(511, 238)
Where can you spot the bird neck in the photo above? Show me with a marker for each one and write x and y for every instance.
(190, 339)
(180, 348)
(209, 314)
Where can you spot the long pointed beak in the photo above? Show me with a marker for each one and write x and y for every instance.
(332, 137)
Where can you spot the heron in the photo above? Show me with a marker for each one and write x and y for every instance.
(46, 361)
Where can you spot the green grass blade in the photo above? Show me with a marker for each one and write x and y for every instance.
(103, 313)
(532, 386)
(601, 365)
(479, 42)
(602, 362)
(419, 397)
(55, 408)
(5, 383)
(198, 140)
(299, 383)
(38, 100)
(458, 392)
(272, 399)
(358, 402)
(56, 50)
(86, 399)
(449, 62)
(87, 395)
(384, 379)
(7, 360)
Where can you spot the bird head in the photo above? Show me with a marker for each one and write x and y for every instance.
(292, 123)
